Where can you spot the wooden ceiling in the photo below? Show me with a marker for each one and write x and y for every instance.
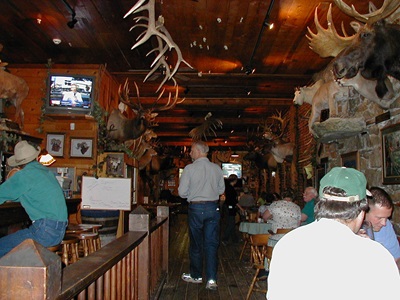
(218, 38)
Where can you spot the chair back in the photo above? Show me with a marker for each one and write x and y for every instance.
(253, 216)
(283, 230)
(259, 243)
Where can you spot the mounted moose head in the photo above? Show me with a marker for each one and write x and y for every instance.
(374, 50)
(122, 129)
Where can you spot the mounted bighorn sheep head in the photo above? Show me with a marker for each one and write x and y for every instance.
(122, 129)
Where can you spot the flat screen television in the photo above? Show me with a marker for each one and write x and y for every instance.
(231, 168)
(70, 94)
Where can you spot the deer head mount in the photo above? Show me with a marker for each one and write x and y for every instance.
(121, 129)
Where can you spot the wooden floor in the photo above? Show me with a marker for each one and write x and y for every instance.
(234, 277)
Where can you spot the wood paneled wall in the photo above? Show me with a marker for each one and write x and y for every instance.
(85, 126)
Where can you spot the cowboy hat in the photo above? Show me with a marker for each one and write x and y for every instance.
(23, 154)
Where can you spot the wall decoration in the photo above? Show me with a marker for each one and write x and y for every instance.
(81, 147)
(391, 154)
(351, 160)
(55, 144)
(115, 164)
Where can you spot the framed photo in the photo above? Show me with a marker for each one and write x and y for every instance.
(55, 144)
(115, 164)
(351, 160)
(81, 147)
(391, 154)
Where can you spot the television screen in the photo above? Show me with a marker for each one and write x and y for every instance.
(231, 168)
(70, 94)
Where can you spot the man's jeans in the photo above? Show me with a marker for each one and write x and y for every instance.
(204, 238)
(44, 231)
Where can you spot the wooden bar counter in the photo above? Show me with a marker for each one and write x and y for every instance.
(12, 213)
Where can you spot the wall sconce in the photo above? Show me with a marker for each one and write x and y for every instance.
(46, 159)
(234, 155)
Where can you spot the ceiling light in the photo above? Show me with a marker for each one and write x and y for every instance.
(270, 25)
(56, 41)
(235, 155)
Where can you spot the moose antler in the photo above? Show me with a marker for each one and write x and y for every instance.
(388, 7)
(207, 128)
(327, 42)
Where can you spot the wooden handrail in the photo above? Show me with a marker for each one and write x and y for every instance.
(81, 274)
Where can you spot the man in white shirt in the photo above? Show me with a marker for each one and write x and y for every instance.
(326, 259)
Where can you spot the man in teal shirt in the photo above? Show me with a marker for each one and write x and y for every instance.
(40, 194)
(307, 214)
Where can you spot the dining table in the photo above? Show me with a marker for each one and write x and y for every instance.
(255, 228)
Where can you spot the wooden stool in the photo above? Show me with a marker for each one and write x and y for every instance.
(55, 248)
(94, 227)
(69, 249)
(77, 229)
(90, 242)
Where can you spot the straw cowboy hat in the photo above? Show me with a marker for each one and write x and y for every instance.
(23, 154)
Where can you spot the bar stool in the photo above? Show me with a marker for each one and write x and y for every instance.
(77, 229)
(90, 242)
(93, 227)
(55, 248)
(69, 249)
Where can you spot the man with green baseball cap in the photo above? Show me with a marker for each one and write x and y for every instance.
(327, 259)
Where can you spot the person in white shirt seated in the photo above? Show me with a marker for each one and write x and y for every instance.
(326, 259)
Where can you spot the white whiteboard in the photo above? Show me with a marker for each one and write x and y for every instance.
(106, 193)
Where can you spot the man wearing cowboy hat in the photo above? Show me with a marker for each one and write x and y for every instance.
(40, 194)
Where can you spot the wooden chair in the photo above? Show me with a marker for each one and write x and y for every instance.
(246, 243)
(253, 216)
(283, 230)
(258, 244)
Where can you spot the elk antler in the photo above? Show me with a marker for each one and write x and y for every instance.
(283, 125)
(157, 29)
(327, 42)
(388, 7)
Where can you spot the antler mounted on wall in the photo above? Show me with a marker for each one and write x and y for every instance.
(208, 127)
(165, 42)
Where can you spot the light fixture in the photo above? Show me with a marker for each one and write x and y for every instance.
(234, 155)
(71, 24)
(46, 159)
(269, 25)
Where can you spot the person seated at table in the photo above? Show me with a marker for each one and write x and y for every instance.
(262, 200)
(329, 254)
(247, 200)
(269, 198)
(310, 195)
(380, 209)
(40, 194)
(283, 213)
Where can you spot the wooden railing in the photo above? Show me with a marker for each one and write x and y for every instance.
(134, 266)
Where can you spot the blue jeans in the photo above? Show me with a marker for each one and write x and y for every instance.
(204, 239)
(44, 231)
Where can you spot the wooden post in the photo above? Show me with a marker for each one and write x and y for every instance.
(30, 271)
(163, 211)
(139, 220)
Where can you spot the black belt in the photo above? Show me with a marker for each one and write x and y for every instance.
(203, 202)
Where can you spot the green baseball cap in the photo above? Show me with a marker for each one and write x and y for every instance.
(350, 180)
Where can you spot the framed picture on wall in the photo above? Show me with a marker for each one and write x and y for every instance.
(81, 147)
(55, 144)
(391, 154)
(115, 164)
(351, 160)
